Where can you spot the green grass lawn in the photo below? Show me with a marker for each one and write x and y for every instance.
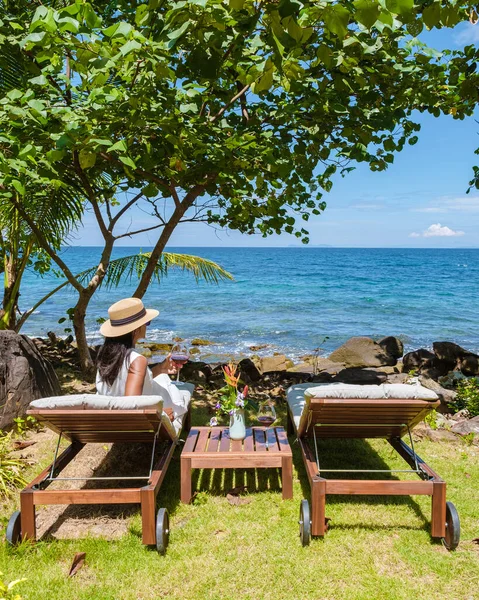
(375, 548)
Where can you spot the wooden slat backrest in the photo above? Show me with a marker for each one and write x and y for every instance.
(350, 417)
(99, 426)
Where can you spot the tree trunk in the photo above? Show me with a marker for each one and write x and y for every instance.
(86, 362)
(8, 313)
(168, 229)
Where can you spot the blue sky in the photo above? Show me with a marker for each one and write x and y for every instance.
(420, 201)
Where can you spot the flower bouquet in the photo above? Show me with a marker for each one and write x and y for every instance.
(232, 402)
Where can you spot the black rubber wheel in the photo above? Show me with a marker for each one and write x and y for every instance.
(162, 530)
(453, 527)
(14, 529)
(304, 523)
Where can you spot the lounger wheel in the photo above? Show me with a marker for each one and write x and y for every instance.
(162, 530)
(14, 529)
(453, 527)
(304, 523)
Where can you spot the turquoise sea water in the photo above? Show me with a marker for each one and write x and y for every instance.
(292, 298)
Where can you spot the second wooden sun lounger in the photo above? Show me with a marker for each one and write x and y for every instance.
(81, 420)
(387, 411)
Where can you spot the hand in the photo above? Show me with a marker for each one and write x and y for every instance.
(168, 366)
(169, 412)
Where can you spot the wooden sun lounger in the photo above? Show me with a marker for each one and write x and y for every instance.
(359, 418)
(81, 427)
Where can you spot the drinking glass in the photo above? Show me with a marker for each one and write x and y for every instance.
(179, 355)
(266, 416)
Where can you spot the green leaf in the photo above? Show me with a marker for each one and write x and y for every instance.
(266, 79)
(118, 30)
(121, 146)
(18, 186)
(91, 18)
(236, 4)
(14, 94)
(28, 150)
(142, 15)
(129, 47)
(127, 161)
(336, 19)
(413, 140)
(87, 158)
(174, 36)
(184, 108)
(367, 12)
(68, 24)
(40, 80)
(431, 15)
(400, 7)
(150, 190)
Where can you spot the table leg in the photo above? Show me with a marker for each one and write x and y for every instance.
(185, 480)
(287, 477)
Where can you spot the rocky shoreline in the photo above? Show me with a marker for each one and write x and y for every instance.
(360, 360)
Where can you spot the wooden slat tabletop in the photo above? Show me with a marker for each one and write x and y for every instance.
(216, 441)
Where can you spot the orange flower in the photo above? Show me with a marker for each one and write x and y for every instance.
(245, 391)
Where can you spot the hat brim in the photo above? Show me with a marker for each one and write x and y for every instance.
(108, 330)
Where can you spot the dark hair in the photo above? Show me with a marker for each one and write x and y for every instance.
(112, 355)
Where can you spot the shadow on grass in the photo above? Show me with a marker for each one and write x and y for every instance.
(341, 453)
(124, 460)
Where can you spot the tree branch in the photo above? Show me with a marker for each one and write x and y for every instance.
(132, 233)
(123, 210)
(232, 101)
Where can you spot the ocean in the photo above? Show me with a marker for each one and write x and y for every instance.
(293, 300)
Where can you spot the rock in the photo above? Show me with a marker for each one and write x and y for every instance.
(195, 351)
(259, 347)
(449, 351)
(362, 352)
(466, 427)
(25, 375)
(249, 373)
(445, 396)
(196, 372)
(322, 377)
(454, 356)
(413, 361)
(392, 346)
(360, 377)
(178, 339)
(303, 367)
(387, 370)
(157, 348)
(278, 362)
(200, 342)
(469, 364)
(397, 378)
(52, 337)
(325, 364)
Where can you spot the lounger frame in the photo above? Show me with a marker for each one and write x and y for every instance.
(359, 418)
(100, 426)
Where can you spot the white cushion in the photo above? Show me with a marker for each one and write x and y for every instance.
(299, 396)
(372, 392)
(98, 402)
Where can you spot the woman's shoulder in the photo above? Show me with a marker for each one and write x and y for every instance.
(138, 359)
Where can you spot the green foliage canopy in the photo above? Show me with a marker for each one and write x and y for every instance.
(256, 104)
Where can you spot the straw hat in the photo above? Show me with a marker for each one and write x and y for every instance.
(126, 316)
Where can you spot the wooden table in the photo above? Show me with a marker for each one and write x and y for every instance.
(212, 448)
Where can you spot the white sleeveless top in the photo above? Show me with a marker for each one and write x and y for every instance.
(161, 385)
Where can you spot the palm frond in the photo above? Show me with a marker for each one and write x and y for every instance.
(129, 267)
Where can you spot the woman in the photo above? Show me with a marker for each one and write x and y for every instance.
(123, 372)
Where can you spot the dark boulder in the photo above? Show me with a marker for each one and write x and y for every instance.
(196, 372)
(25, 375)
(392, 345)
(360, 377)
(449, 351)
(418, 360)
(249, 372)
(469, 364)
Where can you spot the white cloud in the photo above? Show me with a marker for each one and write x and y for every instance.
(368, 206)
(437, 230)
(469, 34)
(447, 204)
(430, 209)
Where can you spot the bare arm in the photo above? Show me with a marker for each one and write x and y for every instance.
(136, 377)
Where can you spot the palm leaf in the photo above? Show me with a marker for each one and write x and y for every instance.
(129, 267)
